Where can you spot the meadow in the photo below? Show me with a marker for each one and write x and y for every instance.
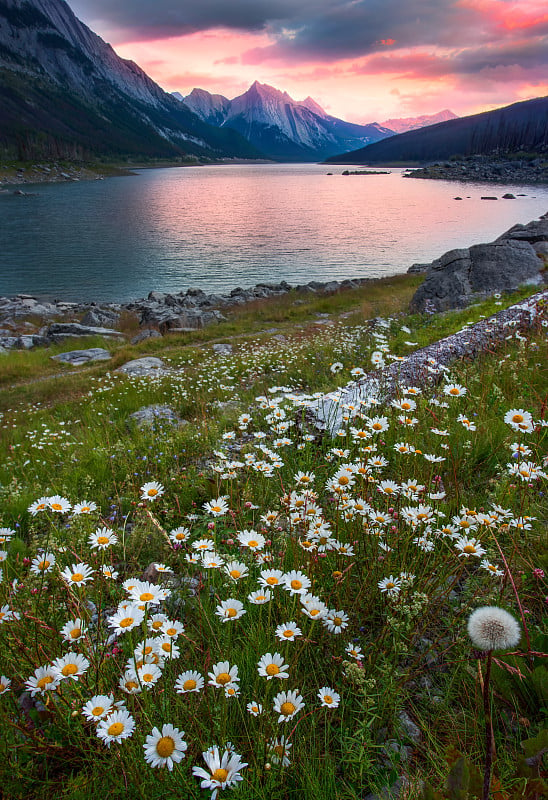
(238, 605)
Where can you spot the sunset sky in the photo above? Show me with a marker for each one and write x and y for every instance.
(362, 60)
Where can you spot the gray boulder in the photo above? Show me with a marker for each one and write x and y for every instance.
(222, 349)
(78, 357)
(59, 331)
(148, 333)
(100, 317)
(140, 367)
(148, 416)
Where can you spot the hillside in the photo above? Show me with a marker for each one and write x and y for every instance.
(65, 93)
(519, 127)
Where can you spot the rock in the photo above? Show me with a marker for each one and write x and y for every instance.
(148, 333)
(489, 198)
(77, 357)
(149, 415)
(409, 728)
(416, 268)
(222, 349)
(65, 330)
(457, 198)
(391, 792)
(143, 367)
(508, 196)
(100, 317)
(463, 276)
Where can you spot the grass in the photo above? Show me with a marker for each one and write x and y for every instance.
(396, 572)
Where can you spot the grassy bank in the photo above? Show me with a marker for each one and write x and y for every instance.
(395, 528)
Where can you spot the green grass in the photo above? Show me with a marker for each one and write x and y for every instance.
(70, 436)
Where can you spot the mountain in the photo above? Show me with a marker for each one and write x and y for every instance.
(283, 128)
(65, 93)
(519, 127)
(403, 124)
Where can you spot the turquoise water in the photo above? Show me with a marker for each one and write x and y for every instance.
(219, 227)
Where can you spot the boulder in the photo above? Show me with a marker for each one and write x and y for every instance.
(148, 333)
(222, 349)
(101, 317)
(148, 416)
(66, 330)
(78, 357)
(147, 366)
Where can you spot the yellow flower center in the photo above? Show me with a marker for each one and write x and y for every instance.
(454, 390)
(272, 581)
(517, 418)
(180, 537)
(217, 509)
(337, 574)
(146, 596)
(152, 492)
(131, 685)
(314, 612)
(231, 612)
(252, 543)
(288, 634)
(343, 480)
(171, 631)
(56, 506)
(115, 729)
(272, 669)
(97, 711)
(76, 577)
(376, 426)
(296, 584)
(189, 685)
(337, 620)
(69, 669)
(43, 564)
(126, 622)
(469, 548)
(390, 585)
(166, 646)
(306, 545)
(157, 624)
(220, 775)
(45, 681)
(287, 709)
(279, 750)
(235, 573)
(85, 508)
(165, 746)
(102, 540)
(406, 406)
(327, 699)
(148, 677)
(75, 633)
(223, 678)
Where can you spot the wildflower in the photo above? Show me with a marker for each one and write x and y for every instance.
(59, 504)
(378, 424)
(519, 420)
(287, 704)
(354, 651)
(172, 628)
(254, 708)
(108, 572)
(296, 582)
(129, 682)
(85, 507)
(39, 505)
(328, 697)
(313, 607)
(236, 570)
(304, 478)
(102, 538)
(44, 680)
(336, 366)
(454, 390)
(179, 535)
(202, 545)
(116, 727)
(288, 631)
(223, 770)
(404, 405)
(278, 750)
(212, 560)
(388, 487)
(252, 540)
(492, 568)
(5, 684)
(222, 674)
(230, 609)
(217, 508)
(126, 618)
(165, 647)
(98, 707)
(73, 630)
(272, 665)
(258, 598)
(42, 564)
(335, 621)
(469, 547)
(390, 585)
(77, 574)
(493, 628)
(148, 675)
(466, 422)
(232, 690)
(165, 748)
(271, 577)
(151, 490)
(189, 681)
(147, 593)
(71, 665)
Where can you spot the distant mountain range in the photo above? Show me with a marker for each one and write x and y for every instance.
(65, 93)
(520, 127)
(282, 128)
(403, 124)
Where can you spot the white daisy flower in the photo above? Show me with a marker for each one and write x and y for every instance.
(151, 490)
(223, 770)
(335, 621)
(166, 747)
(189, 681)
(58, 504)
(98, 707)
(278, 750)
(272, 665)
(230, 610)
(254, 708)
(126, 618)
(296, 582)
(217, 507)
(287, 704)
(71, 665)
(116, 727)
(77, 574)
(288, 631)
(42, 564)
(259, 597)
(222, 674)
(44, 680)
(102, 538)
(328, 697)
(73, 630)
(85, 507)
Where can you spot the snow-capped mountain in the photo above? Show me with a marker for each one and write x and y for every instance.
(283, 128)
(403, 124)
(64, 91)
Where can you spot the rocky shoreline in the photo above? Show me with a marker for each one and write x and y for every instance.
(486, 170)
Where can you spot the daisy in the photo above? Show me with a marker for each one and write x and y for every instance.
(171, 627)
(287, 704)
(271, 577)
(519, 420)
(98, 707)
(232, 690)
(39, 505)
(165, 647)
(151, 490)
(147, 593)
(378, 424)
(189, 681)
(469, 547)
(212, 560)
(223, 770)
(251, 539)
(203, 545)
(179, 535)
(85, 507)
(254, 708)
(404, 405)
(102, 538)
(230, 609)
(492, 568)
(390, 585)
(296, 582)
(328, 697)
(278, 749)
(288, 631)
(59, 504)
(236, 570)
(313, 607)
(129, 682)
(454, 390)
(222, 674)
(335, 621)
(388, 487)
(304, 478)
(148, 675)
(108, 572)
(5, 684)
(354, 651)
(73, 630)
(42, 563)
(217, 508)
(43, 680)
(77, 574)
(165, 748)
(71, 665)
(126, 618)
(272, 665)
(259, 597)
(116, 727)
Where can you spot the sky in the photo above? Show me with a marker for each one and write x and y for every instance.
(362, 60)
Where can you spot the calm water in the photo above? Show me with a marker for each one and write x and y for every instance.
(220, 227)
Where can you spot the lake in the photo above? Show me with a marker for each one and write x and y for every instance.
(217, 227)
